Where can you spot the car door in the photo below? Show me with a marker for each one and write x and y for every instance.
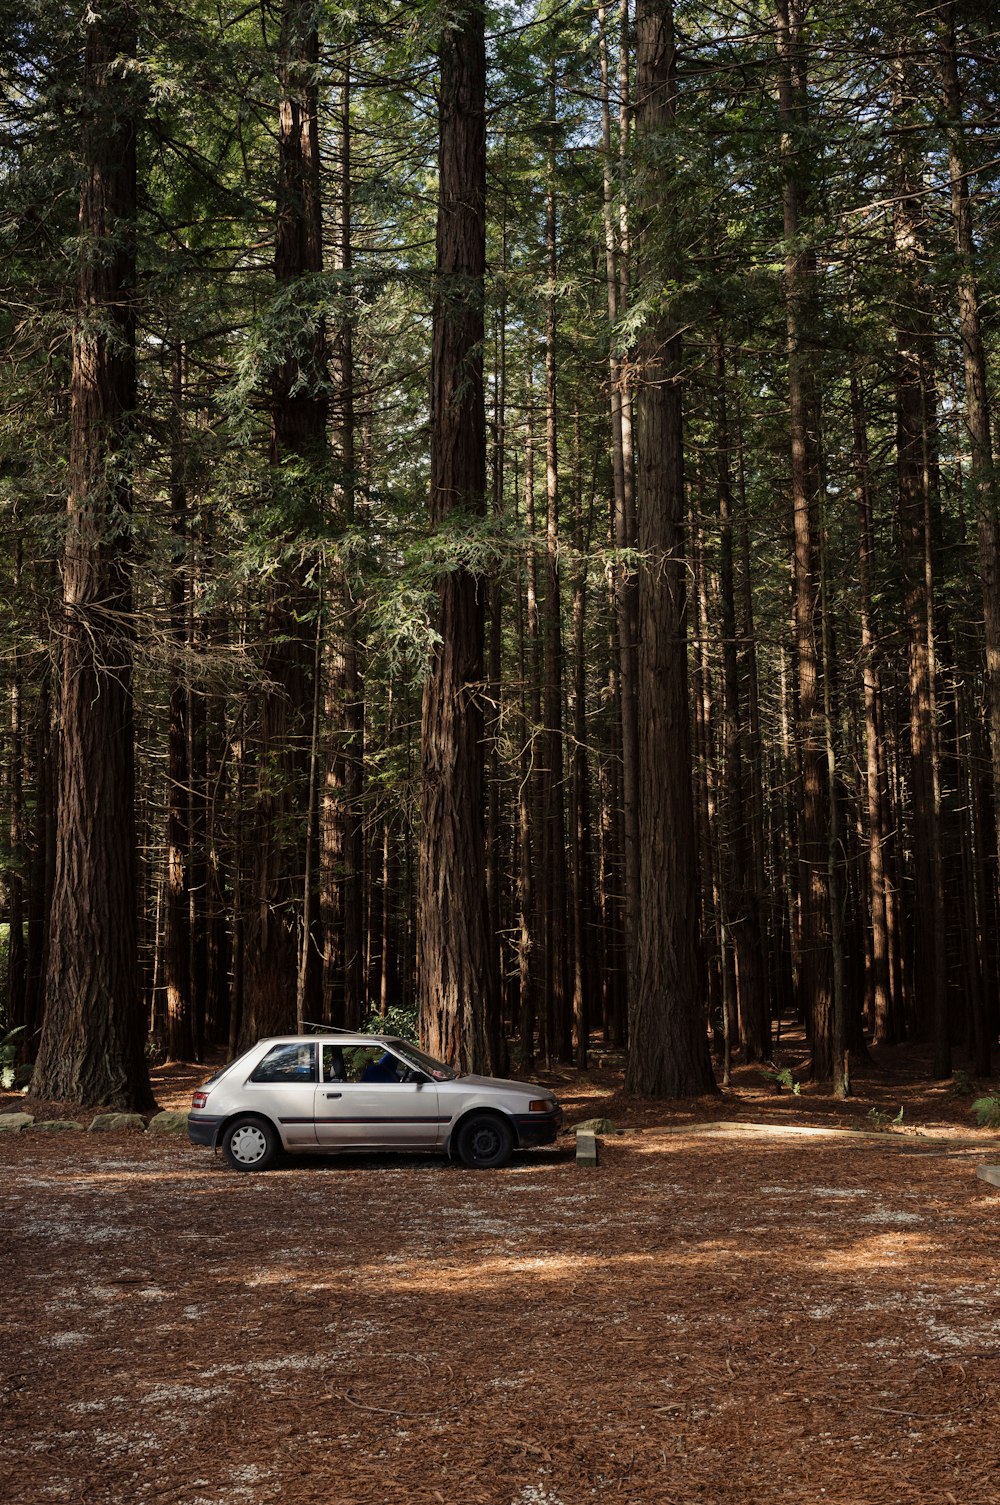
(282, 1087)
(367, 1099)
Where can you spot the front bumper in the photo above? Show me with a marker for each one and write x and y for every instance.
(537, 1128)
(203, 1128)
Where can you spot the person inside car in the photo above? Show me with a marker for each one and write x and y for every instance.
(385, 1069)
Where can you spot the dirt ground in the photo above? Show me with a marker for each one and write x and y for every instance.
(706, 1317)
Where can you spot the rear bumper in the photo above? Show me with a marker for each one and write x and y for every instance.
(203, 1128)
(537, 1128)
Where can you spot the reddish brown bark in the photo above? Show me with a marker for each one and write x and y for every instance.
(453, 948)
(668, 1044)
(558, 992)
(882, 1021)
(91, 1048)
(915, 403)
(815, 992)
(176, 938)
(978, 427)
(299, 410)
(623, 477)
(739, 891)
(341, 828)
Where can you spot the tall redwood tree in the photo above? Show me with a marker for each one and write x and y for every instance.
(453, 951)
(91, 1048)
(299, 454)
(668, 1055)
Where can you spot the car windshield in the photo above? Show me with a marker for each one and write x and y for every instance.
(436, 1070)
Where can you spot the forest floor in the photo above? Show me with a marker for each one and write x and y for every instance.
(706, 1317)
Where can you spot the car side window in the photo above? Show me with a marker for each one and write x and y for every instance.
(333, 1063)
(287, 1063)
(373, 1063)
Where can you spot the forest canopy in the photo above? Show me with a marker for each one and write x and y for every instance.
(500, 531)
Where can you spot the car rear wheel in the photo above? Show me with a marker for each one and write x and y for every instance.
(250, 1144)
(484, 1142)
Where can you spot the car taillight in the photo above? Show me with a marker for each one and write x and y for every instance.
(199, 1099)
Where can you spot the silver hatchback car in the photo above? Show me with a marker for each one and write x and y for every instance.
(317, 1094)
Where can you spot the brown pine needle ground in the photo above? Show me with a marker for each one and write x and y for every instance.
(720, 1318)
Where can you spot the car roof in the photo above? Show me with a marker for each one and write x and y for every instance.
(330, 1037)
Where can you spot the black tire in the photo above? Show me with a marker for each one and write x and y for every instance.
(484, 1142)
(250, 1144)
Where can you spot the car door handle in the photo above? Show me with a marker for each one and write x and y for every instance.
(334, 1094)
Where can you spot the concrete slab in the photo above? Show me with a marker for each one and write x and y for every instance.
(989, 1173)
(586, 1148)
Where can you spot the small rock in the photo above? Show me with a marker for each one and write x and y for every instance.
(169, 1122)
(60, 1126)
(599, 1126)
(109, 1122)
(13, 1123)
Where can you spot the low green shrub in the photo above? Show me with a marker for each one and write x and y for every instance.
(987, 1111)
(883, 1122)
(398, 1021)
(780, 1079)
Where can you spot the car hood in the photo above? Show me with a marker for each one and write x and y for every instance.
(529, 1089)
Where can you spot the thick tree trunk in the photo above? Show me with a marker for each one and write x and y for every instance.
(453, 947)
(882, 1020)
(582, 868)
(913, 383)
(176, 914)
(198, 847)
(982, 478)
(813, 857)
(342, 870)
(721, 1000)
(91, 1049)
(495, 828)
(839, 1029)
(558, 993)
(743, 914)
(531, 947)
(623, 478)
(299, 411)
(218, 908)
(668, 1043)
(774, 987)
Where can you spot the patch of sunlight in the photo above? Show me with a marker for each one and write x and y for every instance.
(447, 1275)
(875, 1250)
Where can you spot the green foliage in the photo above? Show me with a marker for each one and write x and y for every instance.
(883, 1123)
(397, 1020)
(8, 1056)
(987, 1111)
(780, 1079)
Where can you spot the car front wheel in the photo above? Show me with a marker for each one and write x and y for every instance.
(250, 1144)
(484, 1142)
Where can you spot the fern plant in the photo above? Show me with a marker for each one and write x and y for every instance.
(780, 1079)
(987, 1111)
(882, 1122)
(8, 1056)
